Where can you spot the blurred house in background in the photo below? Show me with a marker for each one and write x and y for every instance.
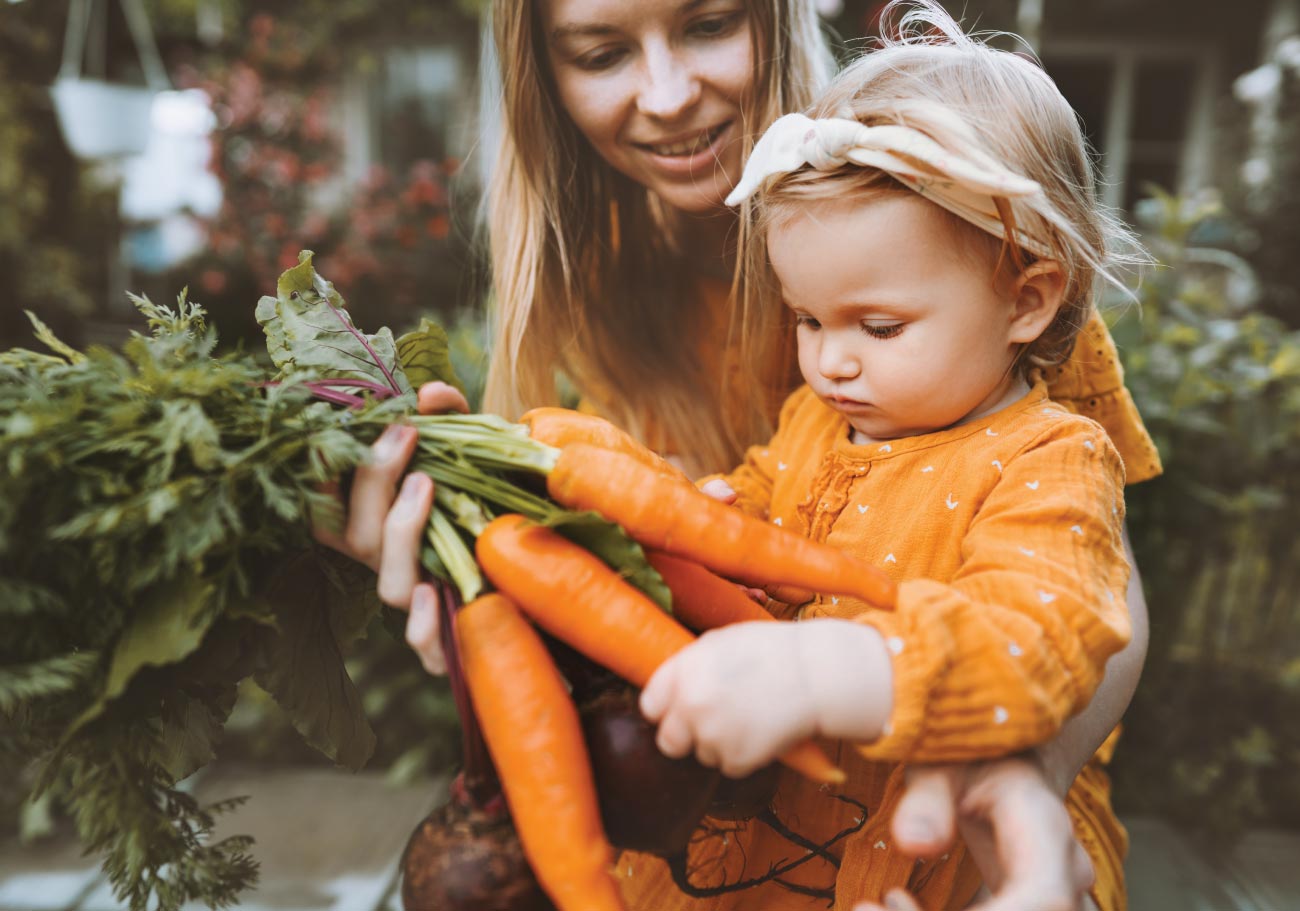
(350, 97)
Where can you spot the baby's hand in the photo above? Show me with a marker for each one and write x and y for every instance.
(741, 696)
(736, 697)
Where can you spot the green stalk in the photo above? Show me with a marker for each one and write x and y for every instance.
(464, 510)
(451, 549)
(468, 479)
(485, 440)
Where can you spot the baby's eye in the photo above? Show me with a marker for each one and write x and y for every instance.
(807, 322)
(882, 330)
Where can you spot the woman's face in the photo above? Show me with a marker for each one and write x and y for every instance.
(658, 87)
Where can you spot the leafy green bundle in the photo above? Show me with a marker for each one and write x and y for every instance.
(155, 550)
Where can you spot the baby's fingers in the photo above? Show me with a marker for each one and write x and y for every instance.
(719, 490)
(658, 692)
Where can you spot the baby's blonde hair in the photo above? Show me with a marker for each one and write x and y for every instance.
(926, 73)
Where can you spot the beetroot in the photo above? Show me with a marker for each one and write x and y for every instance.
(744, 798)
(648, 802)
(466, 855)
(468, 858)
(586, 678)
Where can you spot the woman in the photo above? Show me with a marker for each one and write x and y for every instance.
(626, 124)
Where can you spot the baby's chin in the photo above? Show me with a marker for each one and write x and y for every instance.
(872, 431)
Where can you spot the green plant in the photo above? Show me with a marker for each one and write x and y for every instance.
(1218, 385)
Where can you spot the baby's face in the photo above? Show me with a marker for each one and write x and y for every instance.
(900, 329)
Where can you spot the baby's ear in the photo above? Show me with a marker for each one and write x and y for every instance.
(1037, 295)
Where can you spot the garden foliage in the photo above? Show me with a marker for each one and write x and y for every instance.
(154, 553)
(1213, 737)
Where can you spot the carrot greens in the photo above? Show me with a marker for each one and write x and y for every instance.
(156, 507)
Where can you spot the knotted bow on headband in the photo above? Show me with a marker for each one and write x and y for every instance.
(965, 188)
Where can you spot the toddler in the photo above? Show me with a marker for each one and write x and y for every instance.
(931, 227)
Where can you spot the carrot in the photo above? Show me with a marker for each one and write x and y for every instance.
(702, 591)
(575, 597)
(681, 520)
(535, 737)
(561, 427)
(704, 601)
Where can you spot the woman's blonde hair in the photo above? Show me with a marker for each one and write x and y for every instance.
(926, 73)
(588, 281)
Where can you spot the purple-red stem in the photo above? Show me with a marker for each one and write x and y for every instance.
(480, 775)
(323, 390)
(346, 399)
(365, 344)
(382, 392)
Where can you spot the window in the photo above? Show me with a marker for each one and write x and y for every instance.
(413, 104)
(1147, 110)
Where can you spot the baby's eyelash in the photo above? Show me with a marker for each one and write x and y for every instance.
(888, 331)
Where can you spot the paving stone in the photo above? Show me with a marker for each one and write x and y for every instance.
(44, 876)
(330, 841)
(1265, 871)
(1166, 872)
(326, 841)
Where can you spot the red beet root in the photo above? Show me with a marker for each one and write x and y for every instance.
(466, 858)
(648, 802)
(745, 798)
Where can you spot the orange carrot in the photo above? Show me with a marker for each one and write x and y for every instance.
(702, 600)
(535, 737)
(561, 427)
(575, 597)
(681, 520)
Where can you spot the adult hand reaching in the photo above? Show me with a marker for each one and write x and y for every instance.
(1013, 823)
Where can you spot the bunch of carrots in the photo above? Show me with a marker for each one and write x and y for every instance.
(527, 716)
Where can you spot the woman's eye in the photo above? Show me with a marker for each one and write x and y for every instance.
(807, 322)
(877, 330)
(601, 60)
(715, 26)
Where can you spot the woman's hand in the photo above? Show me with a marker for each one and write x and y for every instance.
(385, 524)
(1014, 825)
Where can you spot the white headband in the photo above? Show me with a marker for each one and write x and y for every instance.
(963, 187)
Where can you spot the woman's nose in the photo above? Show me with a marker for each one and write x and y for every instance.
(669, 86)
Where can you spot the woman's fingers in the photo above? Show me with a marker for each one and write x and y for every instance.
(896, 900)
(373, 486)
(404, 526)
(1025, 827)
(331, 535)
(422, 628)
(438, 397)
(925, 820)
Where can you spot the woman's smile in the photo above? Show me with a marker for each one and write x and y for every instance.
(687, 153)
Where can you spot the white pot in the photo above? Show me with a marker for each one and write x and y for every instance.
(102, 119)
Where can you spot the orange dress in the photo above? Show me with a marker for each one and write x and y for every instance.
(1090, 383)
(1005, 537)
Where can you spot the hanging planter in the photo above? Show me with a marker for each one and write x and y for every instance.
(99, 119)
